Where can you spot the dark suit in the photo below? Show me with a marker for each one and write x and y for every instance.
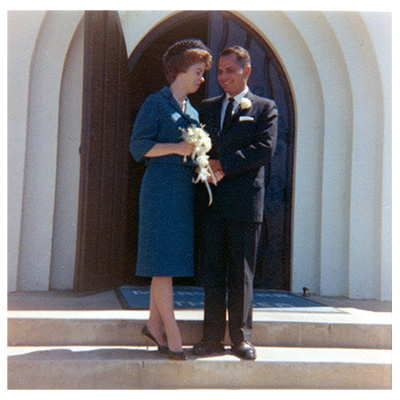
(231, 226)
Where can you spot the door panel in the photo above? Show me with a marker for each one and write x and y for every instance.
(104, 155)
(267, 79)
(220, 30)
(147, 77)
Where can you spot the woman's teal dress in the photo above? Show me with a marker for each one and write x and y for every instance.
(166, 226)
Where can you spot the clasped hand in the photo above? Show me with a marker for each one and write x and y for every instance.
(216, 167)
(186, 149)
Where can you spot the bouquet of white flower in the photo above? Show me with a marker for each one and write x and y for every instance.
(202, 145)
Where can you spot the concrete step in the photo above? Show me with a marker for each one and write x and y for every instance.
(138, 368)
(122, 328)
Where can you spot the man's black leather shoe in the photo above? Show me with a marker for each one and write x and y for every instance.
(244, 350)
(206, 348)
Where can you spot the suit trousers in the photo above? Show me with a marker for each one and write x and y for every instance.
(229, 259)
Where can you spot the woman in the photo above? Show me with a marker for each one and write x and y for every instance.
(166, 233)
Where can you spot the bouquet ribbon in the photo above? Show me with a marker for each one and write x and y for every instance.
(202, 145)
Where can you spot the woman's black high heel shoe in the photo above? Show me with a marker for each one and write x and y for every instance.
(181, 356)
(175, 355)
(147, 333)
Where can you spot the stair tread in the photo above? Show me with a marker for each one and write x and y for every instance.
(347, 316)
(128, 367)
(122, 328)
(142, 354)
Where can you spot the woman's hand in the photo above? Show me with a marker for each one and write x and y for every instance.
(184, 148)
(165, 149)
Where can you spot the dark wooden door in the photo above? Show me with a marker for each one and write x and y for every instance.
(219, 30)
(114, 89)
(267, 79)
(101, 247)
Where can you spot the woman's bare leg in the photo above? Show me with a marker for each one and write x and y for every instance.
(162, 288)
(155, 323)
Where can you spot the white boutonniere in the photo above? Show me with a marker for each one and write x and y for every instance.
(245, 103)
(202, 145)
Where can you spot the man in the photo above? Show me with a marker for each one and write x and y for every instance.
(243, 129)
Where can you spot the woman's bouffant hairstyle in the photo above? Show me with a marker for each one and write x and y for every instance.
(183, 54)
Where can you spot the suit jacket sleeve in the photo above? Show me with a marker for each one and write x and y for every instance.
(261, 150)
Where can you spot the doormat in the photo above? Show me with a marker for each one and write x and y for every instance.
(187, 298)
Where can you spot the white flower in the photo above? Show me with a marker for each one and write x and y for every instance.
(245, 103)
(202, 145)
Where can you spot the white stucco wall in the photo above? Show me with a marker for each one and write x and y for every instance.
(380, 30)
(68, 166)
(340, 181)
(367, 155)
(338, 65)
(22, 34)
(33, 137)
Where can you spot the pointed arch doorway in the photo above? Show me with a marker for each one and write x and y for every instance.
(115, 86)
(219, 30)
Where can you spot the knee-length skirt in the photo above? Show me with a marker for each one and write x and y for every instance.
(166, 221)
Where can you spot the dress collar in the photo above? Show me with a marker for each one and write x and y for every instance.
(189, 112)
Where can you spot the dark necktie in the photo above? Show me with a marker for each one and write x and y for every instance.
(228, 113)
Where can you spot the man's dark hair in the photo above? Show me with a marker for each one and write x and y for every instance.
(242, 55)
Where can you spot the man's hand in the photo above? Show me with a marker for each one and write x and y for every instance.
(216, 167)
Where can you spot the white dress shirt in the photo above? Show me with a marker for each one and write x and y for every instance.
(236, 103)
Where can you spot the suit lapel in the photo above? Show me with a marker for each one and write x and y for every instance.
(216, 115)
(240, 111)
